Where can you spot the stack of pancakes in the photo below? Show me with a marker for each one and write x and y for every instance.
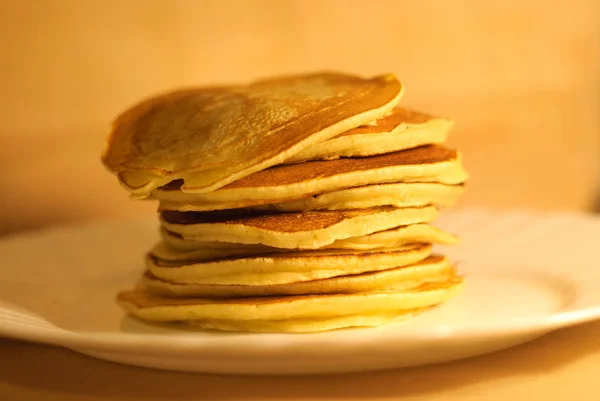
(293, 204)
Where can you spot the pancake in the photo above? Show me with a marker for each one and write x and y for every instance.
(297, 181)
(300, 230)
(397, 194)
(399, 236)
(208, 137)
(282, 268)
(307, 325)
(175, 248)
(432, 269)
(287, 313)
(402, 129)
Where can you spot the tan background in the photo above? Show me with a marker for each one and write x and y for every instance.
(520, 77)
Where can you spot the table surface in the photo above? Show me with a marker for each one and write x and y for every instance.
(564, 365)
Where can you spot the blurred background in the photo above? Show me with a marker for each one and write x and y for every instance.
(521, 79)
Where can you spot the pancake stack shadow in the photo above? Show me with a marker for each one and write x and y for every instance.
(329, 228)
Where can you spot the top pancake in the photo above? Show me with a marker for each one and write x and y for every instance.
(402, 129)
(209, 137)
(392, 121)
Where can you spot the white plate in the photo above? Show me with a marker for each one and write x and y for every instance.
(527, 274)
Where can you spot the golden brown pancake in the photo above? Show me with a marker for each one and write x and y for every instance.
(395, 118)
(296, 181)
(209, 137)
(303, 172)
(402, 129)
(304, 230)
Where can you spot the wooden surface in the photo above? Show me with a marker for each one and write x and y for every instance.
(520, 78)
(564, 365)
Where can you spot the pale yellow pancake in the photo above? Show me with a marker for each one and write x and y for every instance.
(406, 194)
(432, 269)
(304, 313)
(175, 248)
(283, 267)
(398, 236)
(402, 129)
(300, 230)
(211, 136)
(306, 325)
(433, 164)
